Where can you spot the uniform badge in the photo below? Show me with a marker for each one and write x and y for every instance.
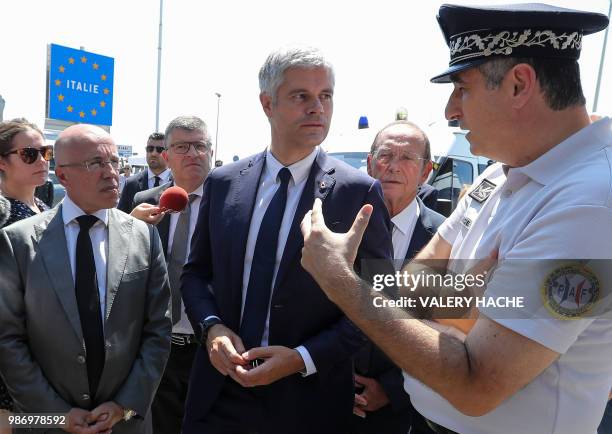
(466, 222)
(483, 191)
(570, 291)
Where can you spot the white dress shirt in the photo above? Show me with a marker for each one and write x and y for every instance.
(184, 326)
(99, 242)
(559, 206)
(403, 227)
(267, 188)
(164, 177)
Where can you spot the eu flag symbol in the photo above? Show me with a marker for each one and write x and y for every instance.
(80, 86)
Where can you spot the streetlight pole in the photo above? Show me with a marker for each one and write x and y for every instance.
(217, 130)
(159, 53)
(601, 62)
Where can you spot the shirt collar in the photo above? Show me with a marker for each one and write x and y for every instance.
(403, 220)
(299, 170)
(71, 211)
(575, 148)
(164, 175)
(198, 191)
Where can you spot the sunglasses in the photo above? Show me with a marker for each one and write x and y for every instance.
(159, 149)
(30, 155)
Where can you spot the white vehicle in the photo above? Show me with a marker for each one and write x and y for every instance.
(138, 163)
(455, 167)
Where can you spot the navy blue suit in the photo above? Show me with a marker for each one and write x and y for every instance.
(399, 415)
(300, 313)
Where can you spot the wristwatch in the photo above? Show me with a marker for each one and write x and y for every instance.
(128, 413)
(205, 327)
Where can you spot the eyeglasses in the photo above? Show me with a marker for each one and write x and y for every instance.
(385, 156)
(29, 155)
(151, 148)
(94, 165)
(183, 147)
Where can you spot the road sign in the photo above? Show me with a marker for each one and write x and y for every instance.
(80, 86)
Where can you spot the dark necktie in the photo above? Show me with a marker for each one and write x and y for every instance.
(157, 179)
(178, 257)
(262, 267)
(88, 302)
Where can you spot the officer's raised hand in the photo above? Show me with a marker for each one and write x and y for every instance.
(328, 255)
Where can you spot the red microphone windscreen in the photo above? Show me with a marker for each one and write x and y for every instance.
(174, 198)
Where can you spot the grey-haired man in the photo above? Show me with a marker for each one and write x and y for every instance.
(276, 355)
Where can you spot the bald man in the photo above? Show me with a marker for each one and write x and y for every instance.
(84, 321)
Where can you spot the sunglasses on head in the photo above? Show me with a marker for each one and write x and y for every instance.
(159, 149)
(29, 155)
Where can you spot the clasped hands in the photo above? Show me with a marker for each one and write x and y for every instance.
(227, 354)
(100, 420)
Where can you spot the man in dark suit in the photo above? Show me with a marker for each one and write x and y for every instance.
(429, 196)
(155, 175)
(276, 355)
(188, 154)
(400, 158)
(84, 322)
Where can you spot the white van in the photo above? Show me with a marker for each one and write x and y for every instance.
(455, 167)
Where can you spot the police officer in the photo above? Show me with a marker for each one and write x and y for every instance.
(517, 90)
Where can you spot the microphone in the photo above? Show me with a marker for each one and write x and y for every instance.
(174, 199)
(5, 210)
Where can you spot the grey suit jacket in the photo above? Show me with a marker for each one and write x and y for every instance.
(42, 352)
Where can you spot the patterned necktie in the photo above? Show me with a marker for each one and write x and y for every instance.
(88, 302)
(262, 267)
(178, 257)
(157, 179)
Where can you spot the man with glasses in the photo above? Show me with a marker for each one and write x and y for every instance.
(155, 175)
(84, 321)
(188, 153)
(400, 158)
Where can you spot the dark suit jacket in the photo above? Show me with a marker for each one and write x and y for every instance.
(133, 185)
(300, 312)
(372, 362)
(151, 196)
(429, 196)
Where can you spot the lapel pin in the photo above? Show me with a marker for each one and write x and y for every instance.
(322, 185)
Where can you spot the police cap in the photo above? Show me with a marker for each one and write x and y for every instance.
(475, 34)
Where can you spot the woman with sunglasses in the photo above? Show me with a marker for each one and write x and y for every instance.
(24, 165)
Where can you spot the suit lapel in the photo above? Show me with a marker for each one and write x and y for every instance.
(422, 232)
(244, 195)
(119, 236)
(53, 248)
(144, 180)
(163, 227)
(319, 183)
